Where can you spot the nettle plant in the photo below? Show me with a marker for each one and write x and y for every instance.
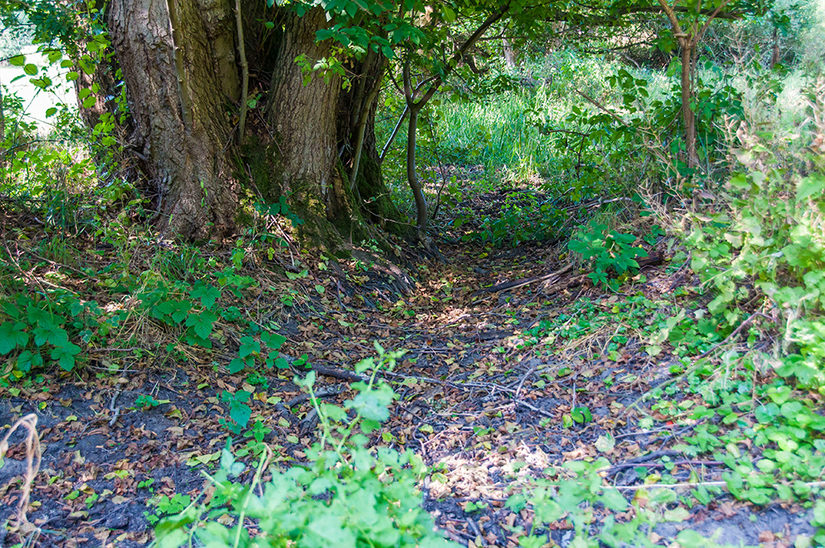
(38, 331)
(609, 252)
(346, 495)
(57, 328)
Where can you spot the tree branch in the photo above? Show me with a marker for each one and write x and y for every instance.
(244, 70)
(456, 58)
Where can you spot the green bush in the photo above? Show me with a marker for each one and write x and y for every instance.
(607, 251)
(764, 250)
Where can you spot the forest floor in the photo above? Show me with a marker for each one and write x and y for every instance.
(488, 388)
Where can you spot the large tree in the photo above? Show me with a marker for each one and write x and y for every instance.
(191, 68)
(187, 65)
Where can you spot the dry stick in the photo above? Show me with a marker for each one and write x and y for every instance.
(29, 422)
(394, 133)
(692, 485)
(523, 379)
(441, 171)
(522, 282)
(476, 530)
(114, 410)
(362, 127)
(645, 261)
(457, 385)
(661, 464)
(534, 408)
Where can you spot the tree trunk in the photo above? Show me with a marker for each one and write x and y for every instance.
(356, 139)
(178, 63)
(412, 176)
(775, 54)
(183, 82)
(509, 54)
(303, 118)
(2, 125)
(688, 116)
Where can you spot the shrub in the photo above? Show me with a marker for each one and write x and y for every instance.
(345, 495)
(766, 246)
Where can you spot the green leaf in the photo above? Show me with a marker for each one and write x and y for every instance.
(240, 413)
(581, 414)
(207, 294)
(372, 404)
(64, 355)
(679, 513)
(41, 83)
(30, 69)
(202, 323)
(808, 186)
(17, 60)
(273, 341)
(248, 347)
(12, 335)
(28, 360)
(236, 366)
(326, 529)
(613, 500)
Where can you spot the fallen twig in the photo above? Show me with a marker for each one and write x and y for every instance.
(342, 374)
(115, 410)
(322, 393)
(652, 260)
(522, 282)
(534, 408)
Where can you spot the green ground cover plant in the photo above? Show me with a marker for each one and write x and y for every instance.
(346, 495)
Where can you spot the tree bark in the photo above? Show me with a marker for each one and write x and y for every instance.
(509, 54)
(178, 63)
(2, 130)
(2, 117)
(775, 53)
(357, 143)
(303, 118)
(412, 176)
(689, 40)
(184, 81)
(688, 116)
